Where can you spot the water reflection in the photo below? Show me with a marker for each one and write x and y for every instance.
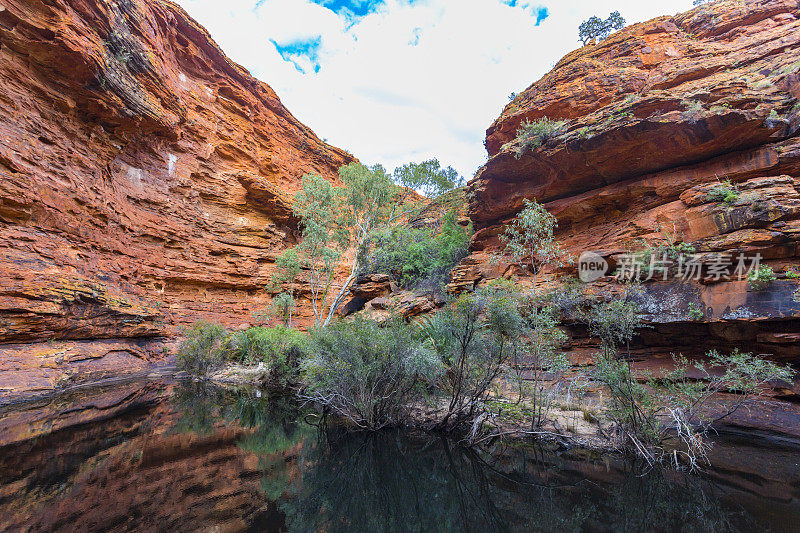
(189, 457)
(325, 479)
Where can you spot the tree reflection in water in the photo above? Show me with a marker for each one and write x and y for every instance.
(325, 479)
(199, 407)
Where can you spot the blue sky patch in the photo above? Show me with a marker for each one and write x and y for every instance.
(541, 12)
(351, 8)
(295, 51)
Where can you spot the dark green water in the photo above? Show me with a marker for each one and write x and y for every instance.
(190, 457)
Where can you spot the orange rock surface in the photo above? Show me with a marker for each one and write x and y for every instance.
(146, 181)
(656, 116)
(126, 461)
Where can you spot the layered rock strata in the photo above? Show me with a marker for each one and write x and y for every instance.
(654, 119)
(146, 182)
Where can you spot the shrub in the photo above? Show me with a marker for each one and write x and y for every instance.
(791, 273)
(688, 407)
(614, 321)
(695, 313)
(567, 300)
(760, 277)
(692, 111)
(542, 346)
(416, 255)
(678, 404)
(631, 406)
(662, 258)
(369, 374)
(205, 348)
(281, 348)
(282, 306)
(725, 192)
(476, 336)
(532, 135)
(774, 119)
(287, 270)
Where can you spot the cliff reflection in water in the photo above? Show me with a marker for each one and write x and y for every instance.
(192, 456)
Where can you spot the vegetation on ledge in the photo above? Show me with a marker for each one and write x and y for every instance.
(491, 364)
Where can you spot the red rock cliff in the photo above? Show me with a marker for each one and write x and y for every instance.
(655, 116)
(145, 182)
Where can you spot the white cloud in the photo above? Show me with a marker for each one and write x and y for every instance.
(410, 80)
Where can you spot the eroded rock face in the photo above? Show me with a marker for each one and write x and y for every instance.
(146, 180)
(124, 454)
(655, 118)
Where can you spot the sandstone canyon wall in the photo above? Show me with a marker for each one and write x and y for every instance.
(145, 182)
(656, 116)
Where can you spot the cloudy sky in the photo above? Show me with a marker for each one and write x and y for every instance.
(395, 81)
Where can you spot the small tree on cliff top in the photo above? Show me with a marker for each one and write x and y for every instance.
(596, 28)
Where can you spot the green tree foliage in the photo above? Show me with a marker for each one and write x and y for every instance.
(615, 321)
(371, 202)
(324, 238)
(413, 256)
(761, 277)
(282, 306)
(204, 348)
(287, 269)
(532, 135)
(369, 374)
(726, 192)
(544, 358)
(280, 347)
(428, 178)
(477, 336)
(335, 219)
(676, 405)
(367, 201)
(597, 28)
(647, 411)
(529, 239)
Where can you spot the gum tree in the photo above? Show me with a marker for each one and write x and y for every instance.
(287, 269)
(365, 203)
(530, 242)
(335, 219)
(324, 238)
(371, 199)
(597, 28)
(427, 177)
